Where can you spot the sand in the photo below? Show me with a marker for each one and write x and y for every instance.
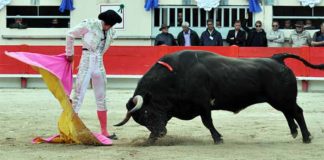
(258, 132)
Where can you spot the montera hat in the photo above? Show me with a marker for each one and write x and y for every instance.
(110, 17)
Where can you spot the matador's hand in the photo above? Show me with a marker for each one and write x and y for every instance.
(70, 58)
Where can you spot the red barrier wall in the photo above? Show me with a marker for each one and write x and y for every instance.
(136, 60)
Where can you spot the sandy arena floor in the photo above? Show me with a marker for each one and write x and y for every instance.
(259, 132)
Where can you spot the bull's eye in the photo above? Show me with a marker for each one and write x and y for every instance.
(145, 114)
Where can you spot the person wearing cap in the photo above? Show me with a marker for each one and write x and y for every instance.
(165, 38)
(188, 37)
(276, 38)
(97, 35)
(300, 37)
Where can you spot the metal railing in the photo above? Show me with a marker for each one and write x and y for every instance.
(225, 15)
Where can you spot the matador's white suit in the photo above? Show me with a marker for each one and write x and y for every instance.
(95, 42)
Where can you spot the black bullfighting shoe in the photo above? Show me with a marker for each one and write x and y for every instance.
(113, 137)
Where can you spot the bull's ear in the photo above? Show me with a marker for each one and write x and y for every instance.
(147, 97)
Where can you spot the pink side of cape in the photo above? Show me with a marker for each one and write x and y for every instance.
(103, 139)
(57, 65)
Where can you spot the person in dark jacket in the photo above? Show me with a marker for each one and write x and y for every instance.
(211, 37)
(257, 37)
(188, 37)
(165, 38)
(236, 36)
(318, 37)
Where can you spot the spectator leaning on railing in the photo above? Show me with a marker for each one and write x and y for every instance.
(211, 37)
(299, 37)
(318, 38)
(276, 38)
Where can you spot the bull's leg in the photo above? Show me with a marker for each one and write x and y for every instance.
(156, 133)
(291, 123)
(298, 115)
(152, 138)
(208, 122)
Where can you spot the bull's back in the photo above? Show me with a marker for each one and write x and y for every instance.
(231, 83)
(248, 81)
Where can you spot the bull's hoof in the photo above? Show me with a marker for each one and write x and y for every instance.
(151, 141)
(218, 141)
(308, 140)
(294, 135)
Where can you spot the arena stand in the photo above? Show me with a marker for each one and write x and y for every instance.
(131, 62)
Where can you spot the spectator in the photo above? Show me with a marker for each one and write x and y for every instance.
(299, 37)
(211, 37)
(275, 37)
(218, 24)
(308, 25)
(180, 18)
(257, 37)
(288, 24)
(165, 38)
(188, 37)
(318, 38)
(18, 24)
(54, 23)
(236, 36)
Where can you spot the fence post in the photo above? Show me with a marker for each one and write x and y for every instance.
(305, 55)
(23, 80)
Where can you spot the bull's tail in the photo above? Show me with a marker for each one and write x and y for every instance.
(281, 57)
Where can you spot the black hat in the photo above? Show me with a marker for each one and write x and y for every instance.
(110, 17)
(164, 26)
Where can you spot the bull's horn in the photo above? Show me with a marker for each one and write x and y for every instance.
(139, 102)
(128, 116)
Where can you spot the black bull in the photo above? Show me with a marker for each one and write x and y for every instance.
(187, 84)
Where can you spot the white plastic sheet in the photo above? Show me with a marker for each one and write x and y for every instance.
(4, 3)
(310, 3)
(208, 4)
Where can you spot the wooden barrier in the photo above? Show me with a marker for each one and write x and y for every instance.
(136, 60)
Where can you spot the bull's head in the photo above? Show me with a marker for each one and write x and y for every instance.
(137, 101)
(141, 109)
